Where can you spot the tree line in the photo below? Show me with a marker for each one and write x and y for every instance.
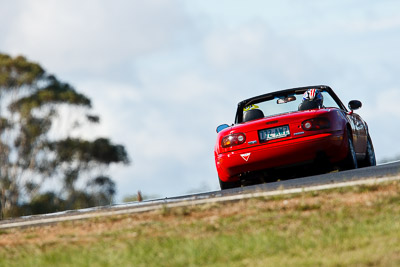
(44, 166)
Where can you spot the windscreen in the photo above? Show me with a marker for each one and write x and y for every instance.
(287, 103)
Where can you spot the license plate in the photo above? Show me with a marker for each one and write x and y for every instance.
(274, 133)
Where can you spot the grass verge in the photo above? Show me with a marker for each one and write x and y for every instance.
(357, 226)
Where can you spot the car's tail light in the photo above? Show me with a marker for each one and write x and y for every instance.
(233, 140)
(316, 124)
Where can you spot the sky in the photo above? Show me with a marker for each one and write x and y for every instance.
(163, 74)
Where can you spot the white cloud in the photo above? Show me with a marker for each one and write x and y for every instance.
(246, 45)
(351, 26)
(93, 35)
(382, 104)
(388, 103)
(254, 49)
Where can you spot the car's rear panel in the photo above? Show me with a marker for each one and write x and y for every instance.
(299, 146)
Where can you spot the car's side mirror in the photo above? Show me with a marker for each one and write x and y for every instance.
(354, 104)
(221, 127)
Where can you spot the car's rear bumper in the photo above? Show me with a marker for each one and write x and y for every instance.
(289, 152)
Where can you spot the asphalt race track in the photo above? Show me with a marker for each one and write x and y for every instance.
(384, 172)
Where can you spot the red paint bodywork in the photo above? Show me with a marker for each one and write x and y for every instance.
(301, 147)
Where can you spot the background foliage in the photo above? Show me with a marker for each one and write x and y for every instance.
(39, 115)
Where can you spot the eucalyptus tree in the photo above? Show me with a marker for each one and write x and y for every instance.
(37, 143)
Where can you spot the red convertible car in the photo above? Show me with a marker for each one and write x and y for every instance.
(291, 133)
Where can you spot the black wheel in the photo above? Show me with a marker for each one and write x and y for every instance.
(350, 162)
(229, 185)
(370, 159)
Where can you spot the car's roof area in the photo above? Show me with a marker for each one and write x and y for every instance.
(272, 95)
(282, 92)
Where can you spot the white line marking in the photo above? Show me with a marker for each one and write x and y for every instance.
(40, 221)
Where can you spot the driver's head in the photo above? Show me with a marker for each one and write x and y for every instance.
(312, 99)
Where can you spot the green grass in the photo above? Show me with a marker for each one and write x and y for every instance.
(315, 229)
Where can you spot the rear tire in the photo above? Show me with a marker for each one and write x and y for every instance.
(370, 159)
(350, 162)
(229, 185)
